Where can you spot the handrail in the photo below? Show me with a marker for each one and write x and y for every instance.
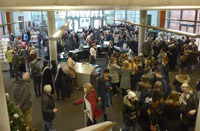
(107, 127)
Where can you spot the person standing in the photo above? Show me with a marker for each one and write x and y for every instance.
(150, 118)
(46, 76)
(93, 54)
(104, 88)
(15, 64)
(114, 73)
(9, 56)
(35, 70)
(22, 98)
(48, 109)
(164, 69)
(22, 67)
(91, 97)
(110, 49)
(125, 82)
(147, 48)
(130, 111)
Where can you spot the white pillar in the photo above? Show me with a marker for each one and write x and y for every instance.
(51, 30)
(4, 122)
(142, 30)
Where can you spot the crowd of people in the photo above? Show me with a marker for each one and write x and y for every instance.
(149, 102)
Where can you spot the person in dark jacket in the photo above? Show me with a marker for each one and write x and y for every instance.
(22, 97)
(54, 68)
(46, 76)
(21, 58)
(48, 109)
(173, 53)
(110, 49)
(150, 116)
(62, 84)
(166, 87)
(130, 111)
(137, 77)
(185, 101)
(193, 105)
(172, 111)
(36, 75)
(15, 64)
(104, 88)
(91, 97)
(164, 69)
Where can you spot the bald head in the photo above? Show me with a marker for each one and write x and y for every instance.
(26, 76)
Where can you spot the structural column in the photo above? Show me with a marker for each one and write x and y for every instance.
(142, 30)
(51, 30)
(4, 121)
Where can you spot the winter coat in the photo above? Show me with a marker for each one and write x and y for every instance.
(21, 57)
(179, 80)
(125, 82)
(129, 110)
(22, 94)
(185, 101)
(70, 69)
(164, 71)
(47, 78)
(146, 49)
(161, 56)
(15, 61)
(122, 59)
(93, 100)
(47, 106)
(172, 115)
(102, 89)
(114, 72)
(193, 58)
(144, 117)
(63, 82)
(136, 78)
(37, 65)
(166, 87)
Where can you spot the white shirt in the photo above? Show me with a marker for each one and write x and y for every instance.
(93, 52)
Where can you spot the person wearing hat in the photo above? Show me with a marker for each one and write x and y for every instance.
(130, 111)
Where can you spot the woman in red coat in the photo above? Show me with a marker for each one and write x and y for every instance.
(91, 96)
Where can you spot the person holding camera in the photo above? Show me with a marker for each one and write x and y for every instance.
(130, 111)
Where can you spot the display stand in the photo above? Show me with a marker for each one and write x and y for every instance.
(3, 48)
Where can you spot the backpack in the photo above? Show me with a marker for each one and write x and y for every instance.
(33, 69)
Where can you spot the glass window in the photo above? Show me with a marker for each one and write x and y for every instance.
(120, 15)
(198, 24)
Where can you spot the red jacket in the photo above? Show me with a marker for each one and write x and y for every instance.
(92, 98)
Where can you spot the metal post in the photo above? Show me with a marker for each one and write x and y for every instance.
(142, 30)
(51, 30)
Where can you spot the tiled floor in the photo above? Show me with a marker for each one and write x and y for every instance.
(70, 117)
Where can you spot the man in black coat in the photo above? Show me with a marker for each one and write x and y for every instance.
(48, 109)
(164, 69)
(150, 116)
(165, 85)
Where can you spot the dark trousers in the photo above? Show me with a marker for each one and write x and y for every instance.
(93, 61)
(59, 93)
(16, 70)
(89, 122)
(114, 87)
(37, 84)
(11, 71)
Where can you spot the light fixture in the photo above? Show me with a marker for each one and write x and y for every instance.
(58, 34)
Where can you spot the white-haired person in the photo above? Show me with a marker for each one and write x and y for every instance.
(48, 109)
(22, 97)
(91, 97)
(130, 111)
(185, 100)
